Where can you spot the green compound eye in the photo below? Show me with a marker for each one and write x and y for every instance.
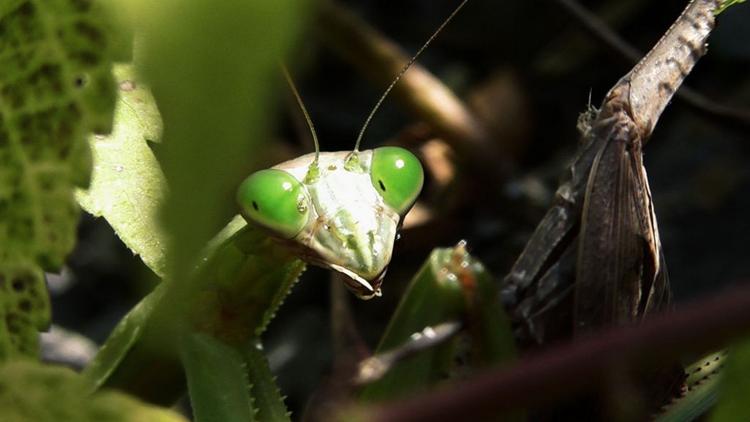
(397, 175)
(274, 199)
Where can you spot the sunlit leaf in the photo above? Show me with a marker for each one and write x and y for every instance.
(127, 185)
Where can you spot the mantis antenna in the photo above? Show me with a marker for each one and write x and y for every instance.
(304, 112)
(403, 70)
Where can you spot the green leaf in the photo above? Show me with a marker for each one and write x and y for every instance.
(30, 391)
(55, 88)
(24, 305)
(734, 389)
(127, 184)
(217, 380)
(212, 67)
(727, 4)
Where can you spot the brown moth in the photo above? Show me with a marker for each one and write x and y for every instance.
(595, 259)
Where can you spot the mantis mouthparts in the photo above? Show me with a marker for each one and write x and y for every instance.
(369, 291)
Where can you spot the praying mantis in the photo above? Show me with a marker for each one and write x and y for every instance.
(338, 210)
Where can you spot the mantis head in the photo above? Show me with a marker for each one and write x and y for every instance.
(339, 210)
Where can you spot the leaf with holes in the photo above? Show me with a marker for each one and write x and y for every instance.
(56, 87)
(33, 392)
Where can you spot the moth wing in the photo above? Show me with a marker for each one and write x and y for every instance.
(658, 293)
(619, 262)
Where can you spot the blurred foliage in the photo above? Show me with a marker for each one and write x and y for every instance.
(31, 391)
(215, 96)
(735, 386)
